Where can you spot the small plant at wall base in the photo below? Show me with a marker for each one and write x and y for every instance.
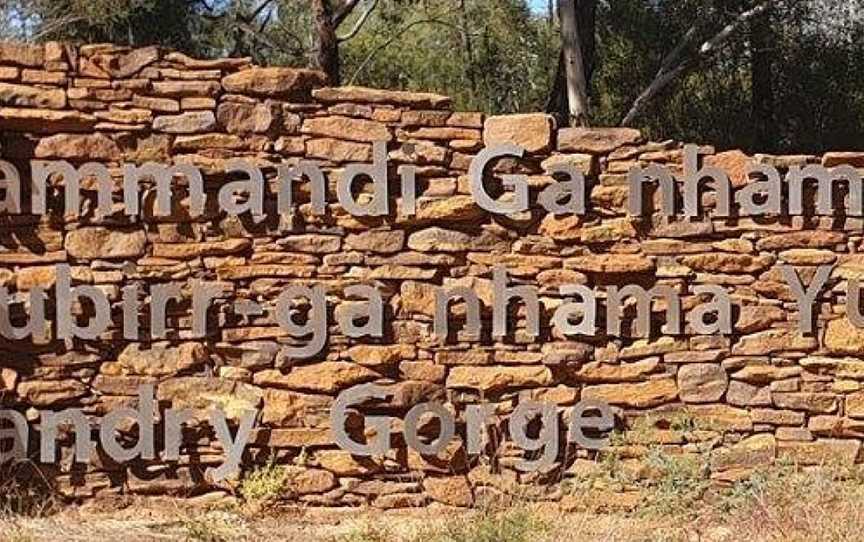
(265, 484)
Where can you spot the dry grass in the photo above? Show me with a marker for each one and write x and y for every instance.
(783, 503)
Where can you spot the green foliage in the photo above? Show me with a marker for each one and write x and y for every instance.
(172, 23)
(814, 96)
(264, 484)
(202, 531)
(493, 56)
(679, 483)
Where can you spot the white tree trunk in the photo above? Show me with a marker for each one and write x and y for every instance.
(574, 65)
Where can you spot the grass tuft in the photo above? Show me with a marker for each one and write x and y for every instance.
(265, 484)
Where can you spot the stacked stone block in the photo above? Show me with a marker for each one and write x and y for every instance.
(764, 394)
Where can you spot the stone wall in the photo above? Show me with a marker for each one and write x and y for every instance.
(763, 394)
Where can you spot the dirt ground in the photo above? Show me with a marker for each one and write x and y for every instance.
(168, 520)
(780, 504)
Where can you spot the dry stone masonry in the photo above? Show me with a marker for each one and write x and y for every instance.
(765, 394)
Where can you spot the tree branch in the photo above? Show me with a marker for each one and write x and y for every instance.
(257, 35)
(360, 22)
(258, 10)
(342, 13)
(393, 38)
(674, 64)
(46, 30)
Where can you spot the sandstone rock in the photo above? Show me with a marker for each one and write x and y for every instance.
(125, 116)
(22, 54)
(596, 140)
(728, 263)
(202, 394)
(833, 426)
(299, 437)
(243, 118)
(77, 146)
(644, 348)
(832, 159)
(842, 337)
(808, 256)
(35, 276)
(784, 161)
(162, 105)
(422, 371)
(384, 242)
(438, 134)
(324, 377)
(820, 452)
(562, 228)
(101, 243)
(851, 368)
(312, 243)
(463, 357)
(185, 123)
(532, 131)
(638, 395)
(361, 130)
(418, 297)
(46, 393)
(855, 405)
(421, 153)
(701, 382)
(585, 163)
(777, 417)
(44, 120)
(303, 481)
(773, 341)
(8, 73)
(380, 355)
(440, 240)
(131, 63)
(455, 208)
(742, 394)
(343, 463)
(26, 96)
(735, 163)
(425, 118)
(8, 380)
(765, 374)
(181, 89)
(851, 266)
(608, 231)
(498, 378)
(450, 490)
(365, 95)
(750, 453)
(802, 239)
(721, 417)
(158, 360)
(185, 251)
(823, 403)
(260, 271)
(401, 272)
(596, 372)
(286, 83)
(752, 318)
(610, 263)
(339, 151)
(208, 64)
(39, 77)
(293, 409)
